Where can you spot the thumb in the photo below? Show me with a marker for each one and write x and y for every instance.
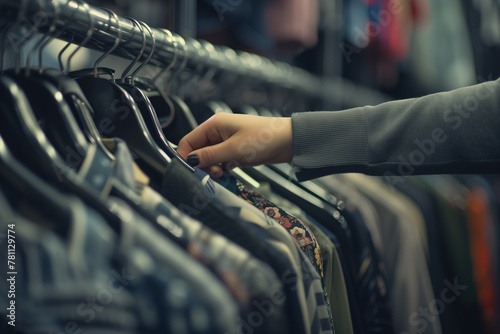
(209, 156)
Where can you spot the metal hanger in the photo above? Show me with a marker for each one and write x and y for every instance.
(160, 99)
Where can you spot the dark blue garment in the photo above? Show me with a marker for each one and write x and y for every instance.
(68, 280)
(371, 281)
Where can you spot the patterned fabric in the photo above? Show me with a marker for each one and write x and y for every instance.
(302, 235)
(335, 283)
(299, 231)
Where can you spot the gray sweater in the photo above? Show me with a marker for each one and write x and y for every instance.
(456, 132)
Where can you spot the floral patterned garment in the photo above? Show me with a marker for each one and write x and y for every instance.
(299, 231)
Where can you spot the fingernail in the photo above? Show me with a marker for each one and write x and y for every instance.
(193, 160)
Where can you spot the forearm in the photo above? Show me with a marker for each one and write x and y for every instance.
(450, 132)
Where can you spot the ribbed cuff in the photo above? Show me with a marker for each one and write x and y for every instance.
(328, 139)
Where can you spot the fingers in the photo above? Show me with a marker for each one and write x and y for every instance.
(234, 140)
(212, 155)
(208, 133)
(195, 139)
(208, 145)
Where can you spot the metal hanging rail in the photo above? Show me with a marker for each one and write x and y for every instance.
(71, 20)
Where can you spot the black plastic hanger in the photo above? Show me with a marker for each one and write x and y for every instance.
(25, 139)
(21, 131)
(72, 92)
(21, 184)
(52, 112)
(309, 186)
(54, 116)
(146, 108)
(186, 119)
(162, 104)
(315, 207)
(117, 115)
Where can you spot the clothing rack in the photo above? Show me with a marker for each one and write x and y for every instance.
(71, 21)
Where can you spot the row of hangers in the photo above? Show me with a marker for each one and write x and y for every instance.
(49, 118)
(199, 58)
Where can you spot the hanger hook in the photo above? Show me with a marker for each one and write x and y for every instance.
(20, 45)
(153, 45)
(202, 72)
(7, 29)
(43, 41)
(141, 52)
(164, 93)
(59, 56)
(117, 40)
(50, 35)
(182, 66)
(174, 59)
(90, 32)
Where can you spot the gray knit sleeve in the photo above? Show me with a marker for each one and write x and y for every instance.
(322, 139)
(449, 132)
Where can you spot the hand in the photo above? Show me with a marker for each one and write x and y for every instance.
(228, 141)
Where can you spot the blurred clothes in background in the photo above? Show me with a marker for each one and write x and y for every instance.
(266, 27)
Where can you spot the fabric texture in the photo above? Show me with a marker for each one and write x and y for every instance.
(334, 280)
(57, 282)
(449, 132)
(302, 235)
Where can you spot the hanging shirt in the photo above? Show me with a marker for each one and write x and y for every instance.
(250, 281)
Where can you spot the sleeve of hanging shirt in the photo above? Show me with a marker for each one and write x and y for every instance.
(455, 132)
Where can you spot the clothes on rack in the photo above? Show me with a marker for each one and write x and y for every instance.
(112, 232)
(266, 27)
(441, 68)
(396, 46)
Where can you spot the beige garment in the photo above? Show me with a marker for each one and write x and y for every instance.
(404, 255)
(293, 24)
